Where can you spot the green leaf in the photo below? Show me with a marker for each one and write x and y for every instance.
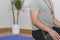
(18, 4)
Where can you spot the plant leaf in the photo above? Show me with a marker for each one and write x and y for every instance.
(18, 4)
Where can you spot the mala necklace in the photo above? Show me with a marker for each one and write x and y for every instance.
(49, 6)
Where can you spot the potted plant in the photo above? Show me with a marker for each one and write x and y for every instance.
(18, 5)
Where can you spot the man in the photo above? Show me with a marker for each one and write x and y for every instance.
(43, 19)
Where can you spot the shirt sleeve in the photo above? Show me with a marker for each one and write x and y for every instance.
(35, 5)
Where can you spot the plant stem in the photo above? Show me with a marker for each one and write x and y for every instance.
(17, 16)
(13, 14)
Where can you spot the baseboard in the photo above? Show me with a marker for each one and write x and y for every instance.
(22, 31)
(26, 31)
(5, 29)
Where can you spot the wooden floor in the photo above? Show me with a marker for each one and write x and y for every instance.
(8, 32)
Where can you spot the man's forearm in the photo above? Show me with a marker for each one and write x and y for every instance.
(42, 26)
(56, 22)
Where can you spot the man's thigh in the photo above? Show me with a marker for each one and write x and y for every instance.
(57, 30)
(37, 35)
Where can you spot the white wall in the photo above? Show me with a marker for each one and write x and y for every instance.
(6, 15)
(57, 8)
(25, 19)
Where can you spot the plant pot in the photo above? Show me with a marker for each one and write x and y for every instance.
(15, 29)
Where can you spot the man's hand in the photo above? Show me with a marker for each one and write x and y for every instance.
(54, 35)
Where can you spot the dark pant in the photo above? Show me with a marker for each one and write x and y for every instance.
(38, 35)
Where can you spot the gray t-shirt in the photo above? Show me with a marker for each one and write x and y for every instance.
(45, 15)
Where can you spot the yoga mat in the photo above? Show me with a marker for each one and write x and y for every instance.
(16, 37)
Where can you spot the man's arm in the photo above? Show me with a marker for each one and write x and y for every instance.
(37, 22)
(42, 26)
(56, 22)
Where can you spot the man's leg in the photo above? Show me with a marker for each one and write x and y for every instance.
(57, 30)
(38, 35)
